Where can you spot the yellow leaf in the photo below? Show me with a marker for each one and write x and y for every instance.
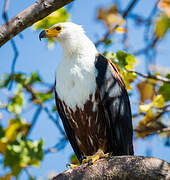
(128, 78)
(144, 108)
(121, 30)
(159, 101)
(16, 126)
(110, 16)
(37, 101)
(6, 177)
(3, 145)
(11, 132)
(146, 91)
(164, 5)
(149, 116)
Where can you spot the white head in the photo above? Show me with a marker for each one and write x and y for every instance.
(71, 36)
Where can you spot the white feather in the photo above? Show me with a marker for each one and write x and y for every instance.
(76, 74)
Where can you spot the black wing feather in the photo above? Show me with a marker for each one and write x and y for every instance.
(116, 106)
(68, 128)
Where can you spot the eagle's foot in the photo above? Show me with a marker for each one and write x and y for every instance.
(71, 166)
(98, 155)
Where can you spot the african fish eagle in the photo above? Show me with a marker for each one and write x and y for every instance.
(91, 97)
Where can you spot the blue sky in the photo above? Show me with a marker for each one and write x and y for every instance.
(35, 56)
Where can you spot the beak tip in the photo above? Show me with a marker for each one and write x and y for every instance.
(42, 35)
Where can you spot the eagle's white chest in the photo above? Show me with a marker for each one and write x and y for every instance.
(75, 81)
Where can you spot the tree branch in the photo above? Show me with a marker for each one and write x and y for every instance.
(158, 78)
(120, 167)
(125, 14)
(29, 16)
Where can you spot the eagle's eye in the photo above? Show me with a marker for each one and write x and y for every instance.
(58, 28)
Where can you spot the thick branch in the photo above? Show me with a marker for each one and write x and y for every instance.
(120, 167)
(29, 16)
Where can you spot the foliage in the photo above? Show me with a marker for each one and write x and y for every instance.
(74, 160)
(18, 151)
(124, 62)
(58, 16)
(165, 89)
(22, 153)
(162, 25)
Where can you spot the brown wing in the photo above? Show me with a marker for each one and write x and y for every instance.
(68, 128)
(116, 106)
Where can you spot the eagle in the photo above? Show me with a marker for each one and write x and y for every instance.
(91, 97)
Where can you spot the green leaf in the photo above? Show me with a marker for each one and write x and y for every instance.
(44, 96)
(34, 78)
(74, 160)
(124, 62)
(54, 108)
(130, 60)
(165, 89)
(23, 153)
(58, 16)
(111, 56)
(2, 132)
(20, 78)
(107, 42)
(121, 56)
(16, 102)
(5, 80)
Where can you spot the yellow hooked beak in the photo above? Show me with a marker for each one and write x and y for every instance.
(51, 32)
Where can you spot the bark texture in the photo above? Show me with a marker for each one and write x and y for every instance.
(29, 16)
(120, 168)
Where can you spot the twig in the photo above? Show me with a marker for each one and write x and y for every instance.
(28, 173)
(54, 120)
(34, 120)
(164, 130)
(34, 97)
(159, 78)
(16, 53)
(5, 15)
(57, 147)
(147, 48)
(149, 131)
(13, 44)
(149, 20)
(126, 12)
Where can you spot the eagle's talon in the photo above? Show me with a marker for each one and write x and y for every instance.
(107, 155)
(85, 160)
